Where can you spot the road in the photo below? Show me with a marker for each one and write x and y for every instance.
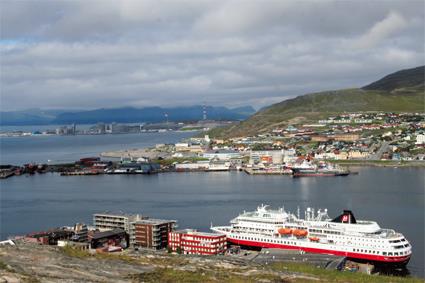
(380, 151)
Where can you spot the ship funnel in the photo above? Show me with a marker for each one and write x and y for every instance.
(346, 217)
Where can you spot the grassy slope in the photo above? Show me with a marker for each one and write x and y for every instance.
(166, 273)
(320, 105)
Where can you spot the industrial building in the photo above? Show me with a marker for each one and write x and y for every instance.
(190, 241)
(112, 240)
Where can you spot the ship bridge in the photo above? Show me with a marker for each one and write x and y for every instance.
(264, 215)
(364, 227)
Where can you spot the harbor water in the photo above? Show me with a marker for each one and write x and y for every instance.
(394, 197)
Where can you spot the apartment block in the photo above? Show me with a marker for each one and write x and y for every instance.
(153, 233)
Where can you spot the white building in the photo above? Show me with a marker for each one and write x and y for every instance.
(420, 139)
(221, 154)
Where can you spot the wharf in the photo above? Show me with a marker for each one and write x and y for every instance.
(5, 175)
(79, 173)
(267, 256)
(251, 171)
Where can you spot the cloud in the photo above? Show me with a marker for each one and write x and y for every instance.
(90, 54)
(392, 23)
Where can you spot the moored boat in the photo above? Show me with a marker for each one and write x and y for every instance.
(318, 233)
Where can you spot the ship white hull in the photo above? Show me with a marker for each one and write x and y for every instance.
(312, 247)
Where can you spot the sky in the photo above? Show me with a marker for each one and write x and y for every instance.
(92, 54)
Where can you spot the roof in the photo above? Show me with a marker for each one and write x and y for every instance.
(155, 221)
(196, 233)
(106, 234)
(131, 217)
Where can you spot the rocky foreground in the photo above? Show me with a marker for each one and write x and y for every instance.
(35, 263)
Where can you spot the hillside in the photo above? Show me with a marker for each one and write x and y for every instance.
(402, 91)
(39, 263)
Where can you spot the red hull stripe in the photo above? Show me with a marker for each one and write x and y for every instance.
(394, 259)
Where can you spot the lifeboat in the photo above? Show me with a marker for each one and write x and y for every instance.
(300, 233)
(314, 239)
(284, 231)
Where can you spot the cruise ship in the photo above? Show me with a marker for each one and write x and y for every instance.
(317, 233)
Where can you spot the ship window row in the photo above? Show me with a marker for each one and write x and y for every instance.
(397, 241)
(366, 251)
(331, 232)
(383, 253)
(396, 253)
(266, 240)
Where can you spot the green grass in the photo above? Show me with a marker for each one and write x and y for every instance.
(5, 267)
(168, 271)
(312, 107)
(167, 275)
(74, 252)
(338, 276)
(191, 129)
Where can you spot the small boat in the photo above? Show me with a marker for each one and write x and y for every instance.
(300, 233)
(284, 231)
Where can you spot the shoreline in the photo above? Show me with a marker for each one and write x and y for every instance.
(379, 163)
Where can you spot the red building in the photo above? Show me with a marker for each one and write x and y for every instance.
(190, 241)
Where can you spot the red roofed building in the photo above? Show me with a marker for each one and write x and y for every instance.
(190, 241)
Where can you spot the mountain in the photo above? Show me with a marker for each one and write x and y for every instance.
(29, 117)
(402, 91)
(123, 115)
(244, 110)
(399, 80)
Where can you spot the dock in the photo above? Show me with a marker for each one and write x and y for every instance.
(6, 174)
(267, 256)
(251, 171)
(79, 173)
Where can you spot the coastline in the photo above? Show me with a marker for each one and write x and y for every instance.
(379, 163)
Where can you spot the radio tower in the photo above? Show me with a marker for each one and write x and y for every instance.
(166, 118)
(204, 112)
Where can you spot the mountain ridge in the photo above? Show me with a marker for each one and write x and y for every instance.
(126, 114)
(402, 91)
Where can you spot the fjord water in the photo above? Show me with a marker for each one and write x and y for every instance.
(61, 149)
(394, 197)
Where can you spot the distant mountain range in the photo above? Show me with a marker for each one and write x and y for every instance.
(402, 91)
(123, 115)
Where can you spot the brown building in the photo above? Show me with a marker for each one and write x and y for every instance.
(153, 233)
(319, 138)
(346, 137)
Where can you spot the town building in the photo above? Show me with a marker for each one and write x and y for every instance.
(188, 166)
(111, 240)
(190, 241)
(153, 233)
(420, 139)
(346, 137)
(221, 154)
(266, 156)
(109, 221)
(80, 233)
